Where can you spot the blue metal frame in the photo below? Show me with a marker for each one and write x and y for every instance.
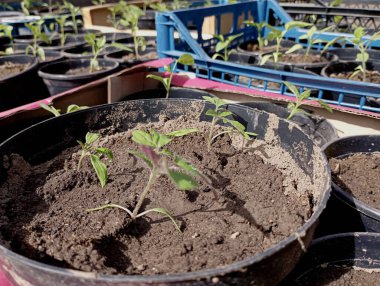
(335, 91)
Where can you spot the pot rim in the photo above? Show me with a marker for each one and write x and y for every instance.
(178, 277)
(33, 65)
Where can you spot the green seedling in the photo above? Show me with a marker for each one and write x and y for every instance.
(6, 31)
(161, 163)
(99, 2)
(34, 49)
(98, 44)
(219, 113)
(312, 39)
(146, 4)
(130, 18)
(25, 6)
(224, 45)
(301, 97)
(74, 12)
(57, 112)
(90, 150)
(185, 59)
(263, 42)
(278, 35)
(179, 4)
(61, 22)
(159, 6)
(6, 7)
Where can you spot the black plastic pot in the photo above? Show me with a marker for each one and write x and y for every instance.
(352, 250)
(349, 54)
(55, 44)
(18, 48)
(56, 80)
(118, 56)
(118, 37)
(270, 48)
(19, 89)
(340, 67)
(148, 21)
(85, 52)
(51, 57)
(318, 128)
(175, 92)
(47, 139)
(344, 213)
(25, 39)
(314, 67)
(81, 33)
(4, 41)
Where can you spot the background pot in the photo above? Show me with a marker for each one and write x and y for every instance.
(359, 250)
(56, 80)
(71, 36)
(148, 22)
(19, 89)
(55, 44)
(118, 56)
(267, 267)
(118, 37)
(349, 54)
(314, 67)
(344, 213)
(339, 67)
(85, 52)
(271, 47)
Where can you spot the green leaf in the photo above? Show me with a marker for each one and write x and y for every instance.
(224, 113)
(362, 57)
(305, 95)
(296, 47)
(143, 138)
(251, 133)
(359, 32)
(92, 137)
(156, 77)
(212, 113)
(215, 100)
(325, 105)
(100, 169)
(292, 88)
(295, 24)
(73, 107)
(217, 55)
(121, 47)
(186, 166)
(105, 151)
(159, 140)
(164, 212)
(221, 46)
(264, 59)
(182, 132)
(81, 144)
(238, 126)
(186, 59)
(182, 181)
(51, 109)
(142, 156)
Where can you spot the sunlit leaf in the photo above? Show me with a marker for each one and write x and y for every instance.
(182, 181)
(100, 169)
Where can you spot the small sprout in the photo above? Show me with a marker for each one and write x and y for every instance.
(36, 29)
(74, 12)
(161, 162)
(278, 35)
(99, 2)
(88, 149)
(6, 31)
(61, 21)
(263, 42)
(57, 112)
(295, 107)
(25, 6)
(223, 45)
(185, 59)
(221, 114)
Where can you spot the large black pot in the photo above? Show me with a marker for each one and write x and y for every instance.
(318, 128)
(118, 37)
(352, 250)
(340, 67)
(56, 80)
(55, 44)
(349, 54)
(19, 89)
(314, 67)
(118, 56)
(344, 213)
(50, 137)
(175, 92)
(271, 47)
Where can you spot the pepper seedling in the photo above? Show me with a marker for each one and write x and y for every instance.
(185, 59)
(223, 45)
(301, 97)
(88, 149)
(74, 12)
(219, 113)
(57, 112)
(130, 18)
(25, 6)
(263, 42)
(278, 35)
(99, 2)
(161, 162)
(6, 31)
(61, 22)
(36, 29)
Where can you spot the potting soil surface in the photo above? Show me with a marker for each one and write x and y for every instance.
(147, 56)
(8, 69)
(251, 206)
(359, 174)
(300, 59)
(371, 76)
(339, 276)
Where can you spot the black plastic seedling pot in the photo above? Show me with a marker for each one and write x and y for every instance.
(349, 54)
(344, 213)
(352, 250)
(118, 56)
(175, 92)
(47, 139)
(57, 81)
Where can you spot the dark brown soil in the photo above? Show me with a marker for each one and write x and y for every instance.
(143, 57)
(254, 47)
(339, 276)
(80, 71)
(359, 175)
(371, 76)
(216, 230)
(300, 59)
(7, 69)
